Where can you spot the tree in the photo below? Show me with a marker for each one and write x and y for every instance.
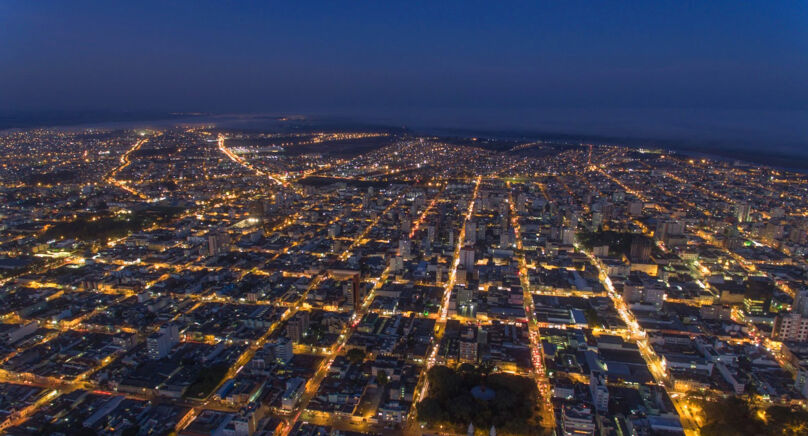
(461, 408)
(730, 416)
(355, 356)
(450, 400)
(786, 421)
(486, 367)
(466, 368)
(381, 378)
(444, 383)
(429, 410)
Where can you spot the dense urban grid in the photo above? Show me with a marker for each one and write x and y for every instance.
(207, 281)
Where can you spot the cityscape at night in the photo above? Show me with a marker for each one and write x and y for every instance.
(366, 227)
(210, 281)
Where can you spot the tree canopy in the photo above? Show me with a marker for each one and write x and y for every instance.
(450, 400)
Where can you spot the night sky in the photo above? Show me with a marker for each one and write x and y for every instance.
(721, 72)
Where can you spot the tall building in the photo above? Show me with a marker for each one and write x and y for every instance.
(790, 327)
(430, 232)
(218, 242)
(577, 420)
(641, 288)
(292, 393)
(506, 238)
(572, 220)
(406, 224)
(801, 381)
(465, 295)
(297, 326)
(599, 391)
(521, 203)
(283, 350)
(159, 344)
(668, 230)
(567, 235)
(467, 258)
(173, 332)
(481, 230)
(468, 351)
(640, 249)
(721, 312)
(351, 287)
(404, 247)
(597, 219)
(756, 304)
(471, 232)
(743, 212)
(482, 335)
(635, 208)
(396, 264)
(801, 303)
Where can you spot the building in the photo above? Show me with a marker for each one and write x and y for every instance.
(465, 301)
(468, 351)
(173, 332)
(506, 238)
(635, 208)
(471, 233)
(801, 381)
(297, 326)
(597, 219)
(19, 331)
(218, 242)
(521, 203)
(722, 312)
(431, 231)
(283, 350)
(292, 393)
(790, 327)
(567, 235)
(600, 251)
(577, 420)
(599, 391)
(467, 258)
(743, 212)
(801, 303)
(351, 291)
(351, 287)
(209, 422)
(756, 304)
(159, 344)
(670, 232)
(482, 335)
(406, 224)
(404, 247)
(641, 288)
(465, 295)
(640, 249)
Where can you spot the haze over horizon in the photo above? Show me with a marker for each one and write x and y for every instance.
(721, 74)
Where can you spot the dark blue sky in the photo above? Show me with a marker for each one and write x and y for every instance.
(731, 71)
